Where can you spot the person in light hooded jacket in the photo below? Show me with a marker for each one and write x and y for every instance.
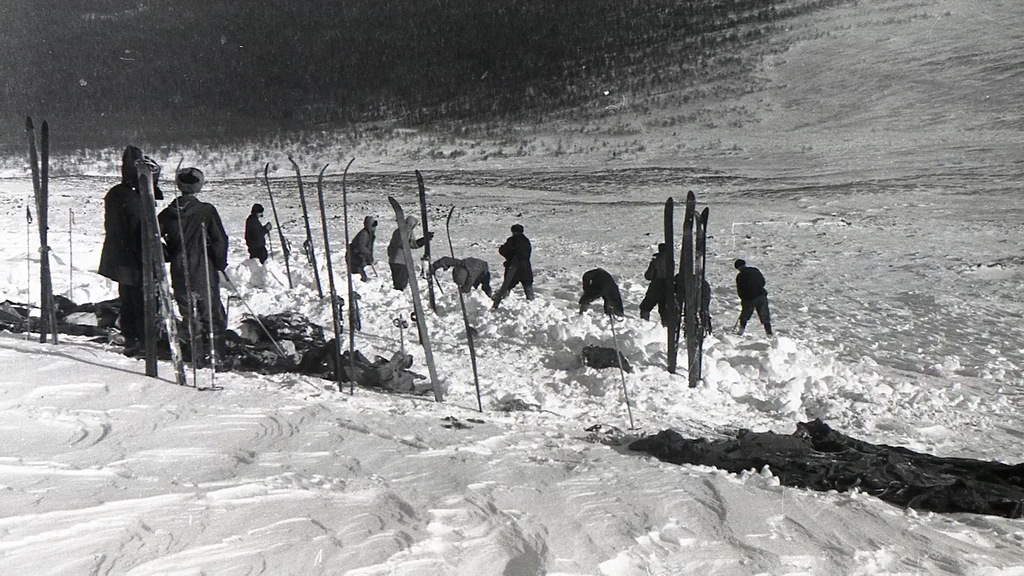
(360, 250)
(121, 256)
(396, 256)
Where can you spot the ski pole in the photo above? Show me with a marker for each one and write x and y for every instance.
(28, 266)
(71, 256)
(401, 324)
(375, 275)
(622, 374)
(255, 317)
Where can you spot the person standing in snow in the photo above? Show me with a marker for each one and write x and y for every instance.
(657, 273)
(121, 256)
(396, 256)
(517, 251)
(468, 273)
(750, 288)
(256, 234)
(181, 225)
(598, 283)
(360, 250)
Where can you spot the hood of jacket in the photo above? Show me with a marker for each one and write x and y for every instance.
(368, 223)
(129, 173)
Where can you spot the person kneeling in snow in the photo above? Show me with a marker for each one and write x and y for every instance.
(182, 224)
(468, 273)
(598, 283)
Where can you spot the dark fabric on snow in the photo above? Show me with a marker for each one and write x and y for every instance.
(819, 458)
(601, 357)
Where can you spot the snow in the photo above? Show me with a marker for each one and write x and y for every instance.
(896, 299)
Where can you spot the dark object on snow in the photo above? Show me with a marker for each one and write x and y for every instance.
(392, 375)
(819, 458)
(601, 357)
(86, 320)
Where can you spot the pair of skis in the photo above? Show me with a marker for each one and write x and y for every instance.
(40, 166)
(691, 271)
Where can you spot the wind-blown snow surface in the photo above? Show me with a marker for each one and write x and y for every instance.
(896, 290)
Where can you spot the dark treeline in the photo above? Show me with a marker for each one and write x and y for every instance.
(187, 64)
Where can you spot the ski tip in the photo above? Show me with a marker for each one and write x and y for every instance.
(28, 123)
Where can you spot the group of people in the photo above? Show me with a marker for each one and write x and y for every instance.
(194, 242)
(196, 245)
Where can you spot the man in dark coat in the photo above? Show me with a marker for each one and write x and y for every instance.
(468, 273)
(516, 250)
(598, 283)
(121, 257)
(256, 234)
(182, 224)
(360, 250)
(753, 296)
(396, 255)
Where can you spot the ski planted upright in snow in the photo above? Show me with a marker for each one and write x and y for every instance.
(421, 319)
(465, 315)
(703, 298)
(309, 234)
(353, 311)
(686, 267)
(426, 240)
(280, 235)
(671, 304)
(330, 278)
(159, 293)
(41, 187)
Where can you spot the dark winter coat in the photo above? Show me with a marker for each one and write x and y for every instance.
(516, 250)
(750, 283)
(196, 215)
(256, 233)
(658, 269)
(121, 256)
(360, 251)
(468, 272)
(598, 283)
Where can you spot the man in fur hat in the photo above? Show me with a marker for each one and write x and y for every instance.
(121, 257)
(182, 224)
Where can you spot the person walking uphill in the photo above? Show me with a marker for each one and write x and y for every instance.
(360, 251)
(121, 257)
(753, 296)
(182, 224)
(256, 234)
(396, 257)
(516, 250)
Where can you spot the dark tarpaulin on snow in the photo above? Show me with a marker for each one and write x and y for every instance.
(819, 458)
